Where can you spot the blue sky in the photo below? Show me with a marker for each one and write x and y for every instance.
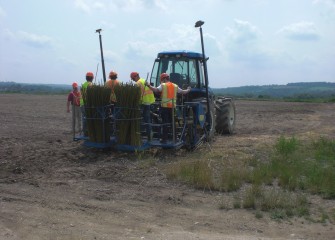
(248, 42)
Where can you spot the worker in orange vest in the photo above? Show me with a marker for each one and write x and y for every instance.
(111, 83)
(74, 100)
(168, 92)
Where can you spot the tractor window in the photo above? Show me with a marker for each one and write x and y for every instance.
(177, 68)
(155, 74)
(201, 75)
(193, 73)
(182, 71)
(179, 73)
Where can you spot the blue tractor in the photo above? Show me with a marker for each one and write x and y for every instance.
(199, 114)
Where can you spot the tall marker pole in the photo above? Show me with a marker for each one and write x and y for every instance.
(198, 24)
(102, 56)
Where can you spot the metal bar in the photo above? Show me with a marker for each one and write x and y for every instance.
(102, 56)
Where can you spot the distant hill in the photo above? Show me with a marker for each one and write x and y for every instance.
(12, 87)
(302, 90)
(291, 90)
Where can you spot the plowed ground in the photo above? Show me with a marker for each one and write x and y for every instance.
(54, 188)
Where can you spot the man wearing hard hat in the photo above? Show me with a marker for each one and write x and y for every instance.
(168, 92)
(73, 99)
(84, 86)
(147, 98)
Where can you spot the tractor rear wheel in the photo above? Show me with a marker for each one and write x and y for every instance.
(210, 119)
(225, 115)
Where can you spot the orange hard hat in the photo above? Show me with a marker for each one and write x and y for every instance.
(164, 75)
(112, 73)
(133, 74)
(74, 84)
(89, 74)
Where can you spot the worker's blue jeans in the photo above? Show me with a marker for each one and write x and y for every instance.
(147, 119)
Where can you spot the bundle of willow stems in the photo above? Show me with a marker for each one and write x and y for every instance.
(128, 114)
(97, 106)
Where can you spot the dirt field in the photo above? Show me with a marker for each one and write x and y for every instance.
(54, 188)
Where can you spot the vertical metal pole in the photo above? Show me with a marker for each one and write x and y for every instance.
(173, 123)
(205, 69)
(102, 56)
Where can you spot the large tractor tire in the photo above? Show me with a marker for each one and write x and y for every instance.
(225, 115)
(210, 120)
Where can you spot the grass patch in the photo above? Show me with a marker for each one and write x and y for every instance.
(280, 203)
(232, 179)
(197, 173)
(309, 166)
(286, 146)
(300, 166)
(292, 166)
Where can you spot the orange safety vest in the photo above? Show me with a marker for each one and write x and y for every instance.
(112, 83)
(76, 98)
(169, 94)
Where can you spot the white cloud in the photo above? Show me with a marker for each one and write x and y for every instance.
(329, 3)
(99, 5)
(161, 4)
(34, 39)
(2, 13)
(8, 34)
(327, 8)
(213, 46)
(244, 45)
(88, 6)
(243, 31)
(247, 48)
(84, 5)
(152, 40)
(302, 31)
(30, 39)
(110, 57)
(67, 63)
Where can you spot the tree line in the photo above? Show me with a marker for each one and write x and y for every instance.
(302, 90)
(293, 91)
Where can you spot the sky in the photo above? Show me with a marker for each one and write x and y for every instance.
(248, 42)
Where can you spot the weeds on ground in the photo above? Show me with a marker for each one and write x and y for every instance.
(279, 203)
(232, 179)
(300, 166)
(305, 166)
(292, 166)
(198, 173)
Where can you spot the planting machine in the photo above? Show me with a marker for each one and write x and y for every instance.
(198, 115)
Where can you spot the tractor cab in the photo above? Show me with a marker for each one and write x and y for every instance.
(194, 121)
(185, 69)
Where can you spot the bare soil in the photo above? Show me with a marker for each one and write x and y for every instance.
(54, 188)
